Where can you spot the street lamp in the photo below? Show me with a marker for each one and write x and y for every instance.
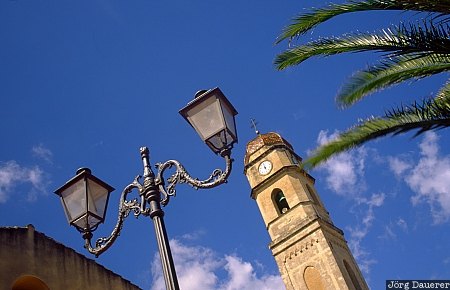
(85, 197)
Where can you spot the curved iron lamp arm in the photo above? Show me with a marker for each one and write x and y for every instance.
(125, 207)
(216, 178)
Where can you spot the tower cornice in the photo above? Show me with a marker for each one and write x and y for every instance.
(248, 164)
(277, 175)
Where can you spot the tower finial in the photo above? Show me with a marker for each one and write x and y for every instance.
(253, 125)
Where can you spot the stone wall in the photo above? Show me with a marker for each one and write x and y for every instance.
(31, 260)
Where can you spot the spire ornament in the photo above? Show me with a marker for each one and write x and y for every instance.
(253, 125)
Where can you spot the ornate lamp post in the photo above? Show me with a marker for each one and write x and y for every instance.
(85, 197)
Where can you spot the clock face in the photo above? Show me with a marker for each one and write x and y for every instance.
(265, 167)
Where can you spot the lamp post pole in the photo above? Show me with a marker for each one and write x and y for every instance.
(153, 198)
(85, 197)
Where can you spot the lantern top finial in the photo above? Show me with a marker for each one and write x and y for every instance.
(199, 93)
(83, 169)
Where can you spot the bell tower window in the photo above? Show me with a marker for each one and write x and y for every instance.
(280, 201)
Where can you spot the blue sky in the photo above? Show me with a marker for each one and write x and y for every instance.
(86, 83)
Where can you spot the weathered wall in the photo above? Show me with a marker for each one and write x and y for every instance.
(24, 251)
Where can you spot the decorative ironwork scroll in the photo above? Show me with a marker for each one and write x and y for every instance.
(140, 207)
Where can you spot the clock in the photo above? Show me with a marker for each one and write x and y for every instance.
(265, 167)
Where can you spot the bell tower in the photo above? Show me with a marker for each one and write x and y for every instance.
(311, 253)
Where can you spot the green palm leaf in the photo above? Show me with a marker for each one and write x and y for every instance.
(415, 39)
(396, 70)
(444, 92)
(335, 45)
(307, 21)
(432, 114)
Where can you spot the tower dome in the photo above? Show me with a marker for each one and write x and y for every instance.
(268, 139)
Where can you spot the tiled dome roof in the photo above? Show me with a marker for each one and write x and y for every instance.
(268, 139)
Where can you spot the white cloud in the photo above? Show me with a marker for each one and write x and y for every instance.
(429, 179)
(376, 200)
(243, 277)
(42, 152)
(359, 232)
(398, 166)
(198, 268)
(391, 229)
(12, 174)
(402, 224)
(194, 236)
(389, 233)
(344, 172)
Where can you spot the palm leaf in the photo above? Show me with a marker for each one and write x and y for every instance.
(388, 73)
(306, 21)
(334, 45)
(432, 114)
(444, 92)
(400, 40)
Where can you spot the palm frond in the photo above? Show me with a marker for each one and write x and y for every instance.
(400, 40)
(426, 35)
(334, 45)
(306, 21)
(431, 114)
(444, 92)
(421, 38)
(391, 72)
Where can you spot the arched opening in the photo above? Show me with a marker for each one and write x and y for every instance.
(312, 279)
(29, 282)
(280, 201)
(352, 276)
